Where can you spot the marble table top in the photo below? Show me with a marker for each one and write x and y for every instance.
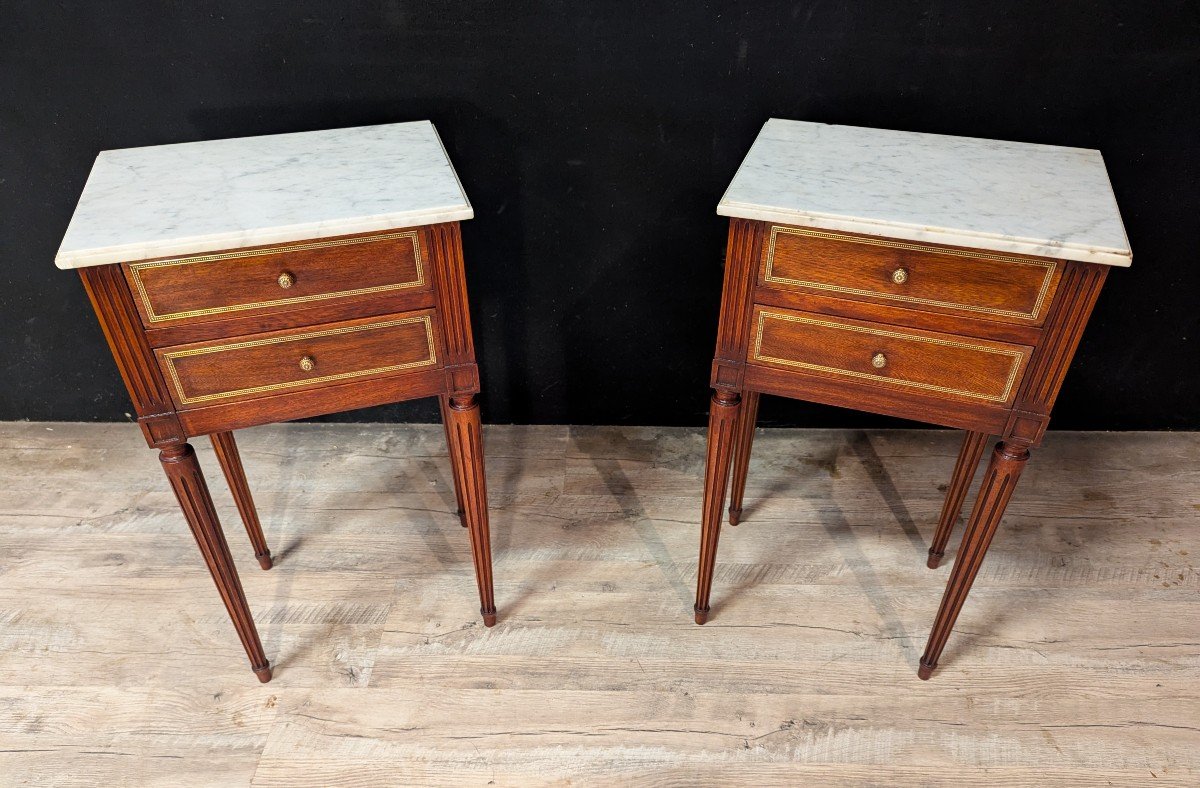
(999, 196)
(141, 203)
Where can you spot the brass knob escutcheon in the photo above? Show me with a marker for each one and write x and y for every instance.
(308, 363)
(879, 361)
(900, 276)
(286, 280)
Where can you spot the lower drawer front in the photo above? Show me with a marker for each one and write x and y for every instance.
(206, 373)
(944, 365)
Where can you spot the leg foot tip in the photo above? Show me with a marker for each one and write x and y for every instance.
(934, 560)
(925, 670)
(701, 615)
(265, 561)
(489, 617)
(263, 673)
(735, 515)
(462, 518)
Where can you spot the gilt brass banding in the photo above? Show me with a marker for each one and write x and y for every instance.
(1049, 266)
(1015, 356)
(135, 270)
(170, 357)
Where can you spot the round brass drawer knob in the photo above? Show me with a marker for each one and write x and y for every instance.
(308, 363)
(900, 276)
(286, 280)
(879, 361)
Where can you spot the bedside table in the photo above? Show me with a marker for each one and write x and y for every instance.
(248, 281)
(942, 279)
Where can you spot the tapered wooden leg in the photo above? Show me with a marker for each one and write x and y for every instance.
(722, 426)
(1008, 460)
(187, 481)
(444, 404)
(741, 454)
(231, 465)
(466, 454)
(964, 471)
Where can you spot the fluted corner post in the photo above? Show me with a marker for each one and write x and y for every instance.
(722, 426)
(187, 481)
(960, 482)
(1003, 471)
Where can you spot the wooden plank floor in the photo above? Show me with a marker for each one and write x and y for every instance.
(1076, 660)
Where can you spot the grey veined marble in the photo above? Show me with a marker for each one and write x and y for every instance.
(141, 203)
(999, 196)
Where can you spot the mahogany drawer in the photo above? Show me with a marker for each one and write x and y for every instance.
(205, 373)
(269, 279)
(982, 285)
(893, 358)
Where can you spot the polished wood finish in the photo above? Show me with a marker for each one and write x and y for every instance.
(231, 465)
(975, 370)
(943, 279)
(888, 313)
(722, 425)
(460, 510)
(217, 342)
(1008, 460)
(960, 482)
(191, 491)
(465, 438)
(742, 444)
(263, 279)
(242, 368)
(945, 335)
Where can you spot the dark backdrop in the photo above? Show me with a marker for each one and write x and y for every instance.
(594, 140)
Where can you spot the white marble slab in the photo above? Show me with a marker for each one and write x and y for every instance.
(999, 196)
(141, 203)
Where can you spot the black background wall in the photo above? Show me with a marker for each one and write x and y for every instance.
(594, 140)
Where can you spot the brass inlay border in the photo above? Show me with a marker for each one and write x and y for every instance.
(1016, 357)
(1050, 267)
(184, 399)
(136, 269)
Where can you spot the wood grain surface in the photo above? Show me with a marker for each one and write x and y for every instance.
(117, 666)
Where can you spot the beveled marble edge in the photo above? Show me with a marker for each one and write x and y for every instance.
(992, 243)
(203, 244)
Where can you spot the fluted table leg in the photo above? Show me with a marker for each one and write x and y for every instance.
(960, 482)
(466, 453)
(722, 424)
(187, 481)
(741, 454)
(1008, 460)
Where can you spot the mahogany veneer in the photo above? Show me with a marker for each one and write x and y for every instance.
(947, 335)
(215, 342)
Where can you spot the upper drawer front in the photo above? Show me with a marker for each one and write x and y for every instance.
(930, 278)
(205, 373)
(972, 370)
(208, 287)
